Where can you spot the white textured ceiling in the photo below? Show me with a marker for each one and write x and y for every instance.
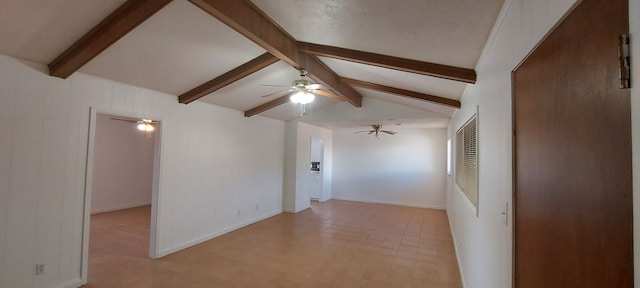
(182, 47)
(450, 32)
(39, 31)
(177, 49)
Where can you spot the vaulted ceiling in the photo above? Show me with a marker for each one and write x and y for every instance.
(416, 53)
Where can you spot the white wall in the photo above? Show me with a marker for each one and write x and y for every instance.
(407, 169)
(214, 163)
(297, 164)
(372, 110)
(483, 243)
(290, 169)
(122, 165)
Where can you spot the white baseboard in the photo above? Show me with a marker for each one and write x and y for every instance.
(455, 247)
(75, 283)
(392, 203)
(295, 211)
(187, 244)
(119, 207)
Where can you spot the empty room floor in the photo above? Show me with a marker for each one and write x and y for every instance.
(333, 244)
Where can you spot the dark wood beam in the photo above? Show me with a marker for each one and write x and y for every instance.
(225, 79)
(401, 64)
(329, 95)
(402, 92)
(327, 77)
(266, 106)
(248, 20)
(127, 17)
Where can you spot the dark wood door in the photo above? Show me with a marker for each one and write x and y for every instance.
(573, 206)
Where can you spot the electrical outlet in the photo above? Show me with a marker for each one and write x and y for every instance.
(39, 269)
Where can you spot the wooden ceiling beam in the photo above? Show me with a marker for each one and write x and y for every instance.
(329, 95)
(124, 19)
(327, 77)
(396, 63)
(225, 79)
(248, 20)
(266, 106)
(402, 92)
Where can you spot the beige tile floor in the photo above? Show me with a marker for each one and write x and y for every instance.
(333, 244)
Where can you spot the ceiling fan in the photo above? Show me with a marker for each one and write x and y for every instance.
(143, 124)
(302, 91)
(377, 129)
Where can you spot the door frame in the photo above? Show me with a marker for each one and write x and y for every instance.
(317, 142)
(155, 211)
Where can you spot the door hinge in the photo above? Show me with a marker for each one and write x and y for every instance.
(624, 54)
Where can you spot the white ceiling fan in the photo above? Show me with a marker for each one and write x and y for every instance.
(143, 124)
(377, 129)
(302, 91)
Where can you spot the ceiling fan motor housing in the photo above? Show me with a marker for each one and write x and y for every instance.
(301, 85)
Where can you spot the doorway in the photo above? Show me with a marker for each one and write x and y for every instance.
(120, 192)
(316, 170)
(572, 153)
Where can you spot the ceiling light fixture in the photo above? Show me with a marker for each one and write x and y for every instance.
(302, 97)
(145, 125)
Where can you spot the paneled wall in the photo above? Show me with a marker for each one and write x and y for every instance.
(219, 170)
(406, 169)
(483, 238)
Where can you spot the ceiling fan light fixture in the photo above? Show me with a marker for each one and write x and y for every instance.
(302, 97)
(145, 125)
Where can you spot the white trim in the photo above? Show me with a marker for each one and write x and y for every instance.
(406, 204)
(75, 283)
(215, 234)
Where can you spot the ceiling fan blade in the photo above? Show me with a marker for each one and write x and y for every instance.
(369, 131)
(389, 132)
(275, 85)
(275, 93)
(124, 120)
(329, 95)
